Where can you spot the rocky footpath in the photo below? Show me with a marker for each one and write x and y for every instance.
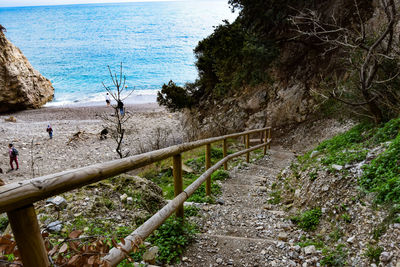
(21, 86)
(245, 229)
(259, 220)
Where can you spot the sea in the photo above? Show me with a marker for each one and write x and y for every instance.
(73, 45)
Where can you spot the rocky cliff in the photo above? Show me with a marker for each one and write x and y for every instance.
(293, 93)
(21, 86)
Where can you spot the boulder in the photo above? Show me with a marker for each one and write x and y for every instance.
(21, 86)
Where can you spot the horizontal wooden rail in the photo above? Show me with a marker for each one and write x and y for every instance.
(24, 193)
(136, 238)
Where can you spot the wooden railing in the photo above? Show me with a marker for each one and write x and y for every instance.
(17, 198)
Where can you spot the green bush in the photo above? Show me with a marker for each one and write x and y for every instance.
(199, 196)
(191, 210)
(334, 257)
(336, 234)
(373, 253)
(308, 220)
(171, 238)
(317, 242)
(382, 175)
(174, 97)
(220, 175)
(388, 132)
(275, 197)
(346, 218)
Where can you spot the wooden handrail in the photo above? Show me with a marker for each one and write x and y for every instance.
(17, 198)
(20, 194)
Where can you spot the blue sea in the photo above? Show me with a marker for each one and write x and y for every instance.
(72, 44)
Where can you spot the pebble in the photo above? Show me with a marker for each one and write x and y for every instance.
(283, 236)
(309, 250)
(385, 256)
(219, 261)
(337, 167)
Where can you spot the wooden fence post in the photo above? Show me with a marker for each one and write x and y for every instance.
(225, 151)
(247, 146)
(265, 141)
(269, 138)
(208, 165)
(27, 234)
(178, 182)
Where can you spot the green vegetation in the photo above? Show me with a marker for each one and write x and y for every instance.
(3, 223)
(235, 54)
(308, 220)
(346, 218)
(275, 197)
(381, 175)
(220, 175)
(171, 238)
(373, 253)
(317, 242)
(334, 257)
(164, 177)
(191, 211)
(336, 234)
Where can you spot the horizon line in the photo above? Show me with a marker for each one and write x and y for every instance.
(119, 2)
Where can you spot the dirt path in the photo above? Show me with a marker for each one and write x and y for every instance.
(246, 230)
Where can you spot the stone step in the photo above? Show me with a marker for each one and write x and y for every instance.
(221, 250)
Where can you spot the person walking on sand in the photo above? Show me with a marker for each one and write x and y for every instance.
(50, 131)
(13, 156)
(108, 100)
(120, 106)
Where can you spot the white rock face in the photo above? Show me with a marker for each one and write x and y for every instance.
(21, 86)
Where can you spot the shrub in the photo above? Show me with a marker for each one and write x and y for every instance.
(373, 253)
(171, 238)
(388, 132)
(335, 257)
(308, 220)
(346, 217)
(382, 175)
(275, 197)
(174, 97)
(220, 175)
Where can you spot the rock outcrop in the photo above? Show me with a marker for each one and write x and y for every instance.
(21, 86)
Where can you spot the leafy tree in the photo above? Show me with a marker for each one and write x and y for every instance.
(174, 97)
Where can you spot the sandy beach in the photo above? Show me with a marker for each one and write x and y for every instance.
(148, 124)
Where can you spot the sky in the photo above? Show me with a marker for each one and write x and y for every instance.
(10, 3)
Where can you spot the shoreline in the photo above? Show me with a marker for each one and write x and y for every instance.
(136, 98)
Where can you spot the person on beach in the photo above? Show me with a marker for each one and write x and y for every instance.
(108, 100)
(50, 131)
(120, 106)
(13, 156)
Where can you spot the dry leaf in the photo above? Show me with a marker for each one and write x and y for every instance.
(63, 248)
(91, 260)
(54, 250)
(75, 234)
(74, 259)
